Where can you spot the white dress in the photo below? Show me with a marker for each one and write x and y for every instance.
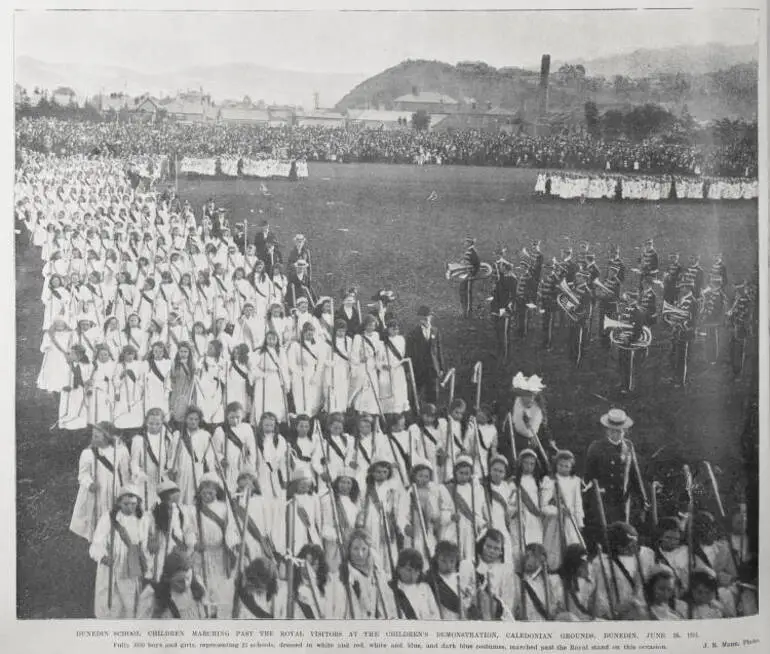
(271, 375)
(150, 456)
(126, 574)
(572, 498)
(471, 508)
(209, 390)
(436, 509)
(236, 446)
(73, 404)
(129, 395)
(394, 387)
(336, 384)
(96, 465)
(188, 459)
(306, 366)
(157, 385)
(54, 371)
(365, 360)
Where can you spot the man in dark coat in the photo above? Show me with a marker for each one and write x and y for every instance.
(262, 238)
(423, 347)
(609, 462)
(271, 255)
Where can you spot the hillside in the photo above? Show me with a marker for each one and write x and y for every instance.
(227, 81)
(715, 94)
(693, 60)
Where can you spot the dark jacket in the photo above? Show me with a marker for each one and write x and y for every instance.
(426, 355)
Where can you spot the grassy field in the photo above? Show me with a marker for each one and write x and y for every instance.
(372, 225)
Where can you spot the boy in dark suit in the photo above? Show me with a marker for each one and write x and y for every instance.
(423, 347)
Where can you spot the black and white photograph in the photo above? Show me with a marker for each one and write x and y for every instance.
(406, 315)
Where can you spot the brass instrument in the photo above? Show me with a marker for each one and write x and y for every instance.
(674, 317)
(569, 302)
(602, 291)
(616, 335)
(461, 271)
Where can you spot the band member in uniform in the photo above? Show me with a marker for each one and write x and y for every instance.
(631, 315)
(671, 278)
(683, 334)
(547, 292)
(534, 258)
(738, 316)
(648, 260)
(648, 302)
(608, 301)
(472, 260)
(617, 262)
(522, 298)
(503, 295)
(712, 315)
(718, 269)
(696, 274)
(577, 333)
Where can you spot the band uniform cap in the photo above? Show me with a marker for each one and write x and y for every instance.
(616, 419)
(424, 312)
(166, 486)
(210, 478)
(128, 490)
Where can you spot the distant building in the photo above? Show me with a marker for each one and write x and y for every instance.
(146, 108)
(191, 107)
(112, 102)
(376, 119)
(65, 96)
(320, 117)
(243, 115)
(429, 101)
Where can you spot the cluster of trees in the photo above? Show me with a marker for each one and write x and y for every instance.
(46, 108)
(650, 121)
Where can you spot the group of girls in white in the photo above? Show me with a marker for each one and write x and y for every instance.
(256, 453)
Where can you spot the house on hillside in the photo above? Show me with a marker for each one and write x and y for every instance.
(376, 119)
(239, 114)
(428, 101)
(321, 118)
(191, 107)
(65, 96)
(146, 108)
(112, 102)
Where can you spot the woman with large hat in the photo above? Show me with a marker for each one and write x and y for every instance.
(530, 421)
(119, 548)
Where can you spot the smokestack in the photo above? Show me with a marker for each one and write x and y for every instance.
(545, 68)
(415, 91)
(317, 100)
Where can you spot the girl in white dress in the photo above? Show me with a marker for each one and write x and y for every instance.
(271, 375)
(56, 301)
(277, 322)
(365, 363)
(469, 511)
(178, 595)
(193, 453)
(264, 292)
(311, 594)
(533, 496)
(337, 448)
(104, 467)
(339, 519)
(250, 328)
(394, 387)
(151, 453)
(301, 502)
(239, 379)
(112, 337)
(573, 593)
(216, 548)
(133, 334)
(532, 586)
(494, 597)
(234, 444)
(367, 580)
(306, 359)
(500, 495)
(413, 597)
(336, 384)
(400, 447)
(243, 291)
(305, 444)
(420, 527)
(73, 409)
(261, 513)
(119, 548)
(272, 462)
(378, 512)
(431, 431)
(157, 382)
(172, 529)
(200, 339)
(481, 441)
(258, 594)
(568, 488)
(129, 392)
(101, 388)
(210, 385)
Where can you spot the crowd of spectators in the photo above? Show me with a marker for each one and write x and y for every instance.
(351, 144)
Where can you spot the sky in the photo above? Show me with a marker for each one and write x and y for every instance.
(363, 42)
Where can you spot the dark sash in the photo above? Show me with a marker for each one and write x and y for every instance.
(407, 610)
(133, 340)
(306, 609)
(371, 345)
(77, 376)
(156, 371)
(407, 459)
(173, 609)
(427, 434)
(531, 506)
(56, 294)
(447, 596)
(308, 350)
(232, 436)
(698, 551)
(57, 345)
(83, 336)
(222, 524)
(580, 606)
(462, 506)
(335, 447)
(93, 290)
(494, 496)
(240, 513)
(304, 518)
(136, 562)
(363, 452)
(533, 597)
(625, 572)
(393, 350)
(220, 283)
(147, 298)
(148, 449)
(106, 463)
(247, 599)
(337, 350)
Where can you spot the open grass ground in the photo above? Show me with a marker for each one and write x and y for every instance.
(372, 225)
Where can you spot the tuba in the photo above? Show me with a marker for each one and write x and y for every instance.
(461, 271)
(569, 302)
(674, 317)
(618, 338)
